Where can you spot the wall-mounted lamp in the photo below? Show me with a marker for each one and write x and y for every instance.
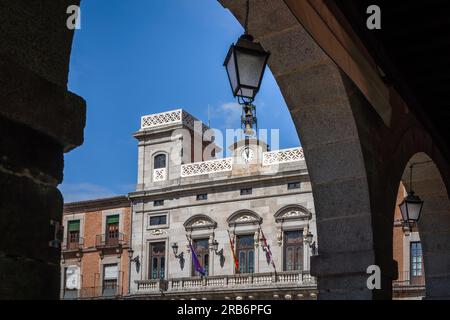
(177, 255)
(312, 244)
(219, 252)
(135, 259)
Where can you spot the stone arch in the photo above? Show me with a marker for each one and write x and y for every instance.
(321, 100)
(244, 217)
(434, 223)
(199, 221)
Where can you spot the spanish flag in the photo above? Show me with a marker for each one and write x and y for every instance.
(236, 262)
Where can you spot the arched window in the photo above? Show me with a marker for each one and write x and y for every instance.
(160, 161)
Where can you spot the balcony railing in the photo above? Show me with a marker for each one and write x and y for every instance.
(206, 167)
(110, 240)
(283, 156)
(257, 280)
(159, 174)
(405, 279)
(110, 292)
(68, 245)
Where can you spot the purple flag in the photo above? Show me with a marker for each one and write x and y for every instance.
(197, 266)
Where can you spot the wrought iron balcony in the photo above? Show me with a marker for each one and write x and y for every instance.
(116, 239)
(405, 279)
(70, 245)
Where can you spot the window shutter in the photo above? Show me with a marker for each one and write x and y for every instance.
(112, 219)
(74, 225)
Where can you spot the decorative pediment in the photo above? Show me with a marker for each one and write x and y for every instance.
(158, 232)
(244, 217)
(200, 221)
(292, 212)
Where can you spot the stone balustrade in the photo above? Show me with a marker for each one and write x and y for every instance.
(283, 156)
(226, 164)
(159, 174)
(206, 167)
(297, 279)
(173, 117)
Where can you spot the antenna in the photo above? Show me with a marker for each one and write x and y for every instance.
(209, 121)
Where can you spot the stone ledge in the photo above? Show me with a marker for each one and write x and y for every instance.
(44, 106)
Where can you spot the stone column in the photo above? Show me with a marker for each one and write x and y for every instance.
(39, 121)
(318, 96)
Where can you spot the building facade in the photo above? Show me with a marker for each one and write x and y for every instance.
(249, 218)
(253, 195)
(94, 252)
(408, 254)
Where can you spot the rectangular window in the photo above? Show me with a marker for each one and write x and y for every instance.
(157, 265)
(416, 269)
(158, 220)
(71, 278)
(203, 196)
(110, 280)
(158, 203)
(293, 185)
(201, 247)
(112, 230)
(293, 250)
(73, 234)
(246, 192)
(245, 253)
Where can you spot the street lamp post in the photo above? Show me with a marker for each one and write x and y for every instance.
(411, 206)
(245, 64)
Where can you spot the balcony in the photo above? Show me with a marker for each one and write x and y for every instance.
(282, 280)
(408, 287)
(70, 246)
(112, 291)
(114, 240)
(406, 280)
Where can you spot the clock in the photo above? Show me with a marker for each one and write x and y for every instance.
(247, 154)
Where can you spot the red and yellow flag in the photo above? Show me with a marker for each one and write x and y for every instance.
(236, 262)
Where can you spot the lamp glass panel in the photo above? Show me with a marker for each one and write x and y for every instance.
(404, 211)
(250, 66)
(414, 210)
(232, 71)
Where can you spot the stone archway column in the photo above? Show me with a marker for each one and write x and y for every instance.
(39, 121)
(434, 225)
(317, 95)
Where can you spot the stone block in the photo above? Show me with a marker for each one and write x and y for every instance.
(25, 215)
(345, 234)
(320, 84)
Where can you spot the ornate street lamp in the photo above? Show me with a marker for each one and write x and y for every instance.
(135, 259)
(312, 244)
(245, 64)
(411, 206)
(178, 256)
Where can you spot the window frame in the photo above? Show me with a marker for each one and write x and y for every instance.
(294, 185)
(158, 226)
(202, 197)
(158, 203)
(296, 248)
(158, 154)
(150, 257)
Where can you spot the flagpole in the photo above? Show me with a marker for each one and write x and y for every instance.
(267, 247)
(236, 263)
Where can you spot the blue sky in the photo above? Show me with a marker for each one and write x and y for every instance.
(133, 58)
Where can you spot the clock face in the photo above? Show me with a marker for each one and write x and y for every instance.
(247, 154)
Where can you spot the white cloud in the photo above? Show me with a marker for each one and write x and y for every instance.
(73, 192)
(230, 115)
